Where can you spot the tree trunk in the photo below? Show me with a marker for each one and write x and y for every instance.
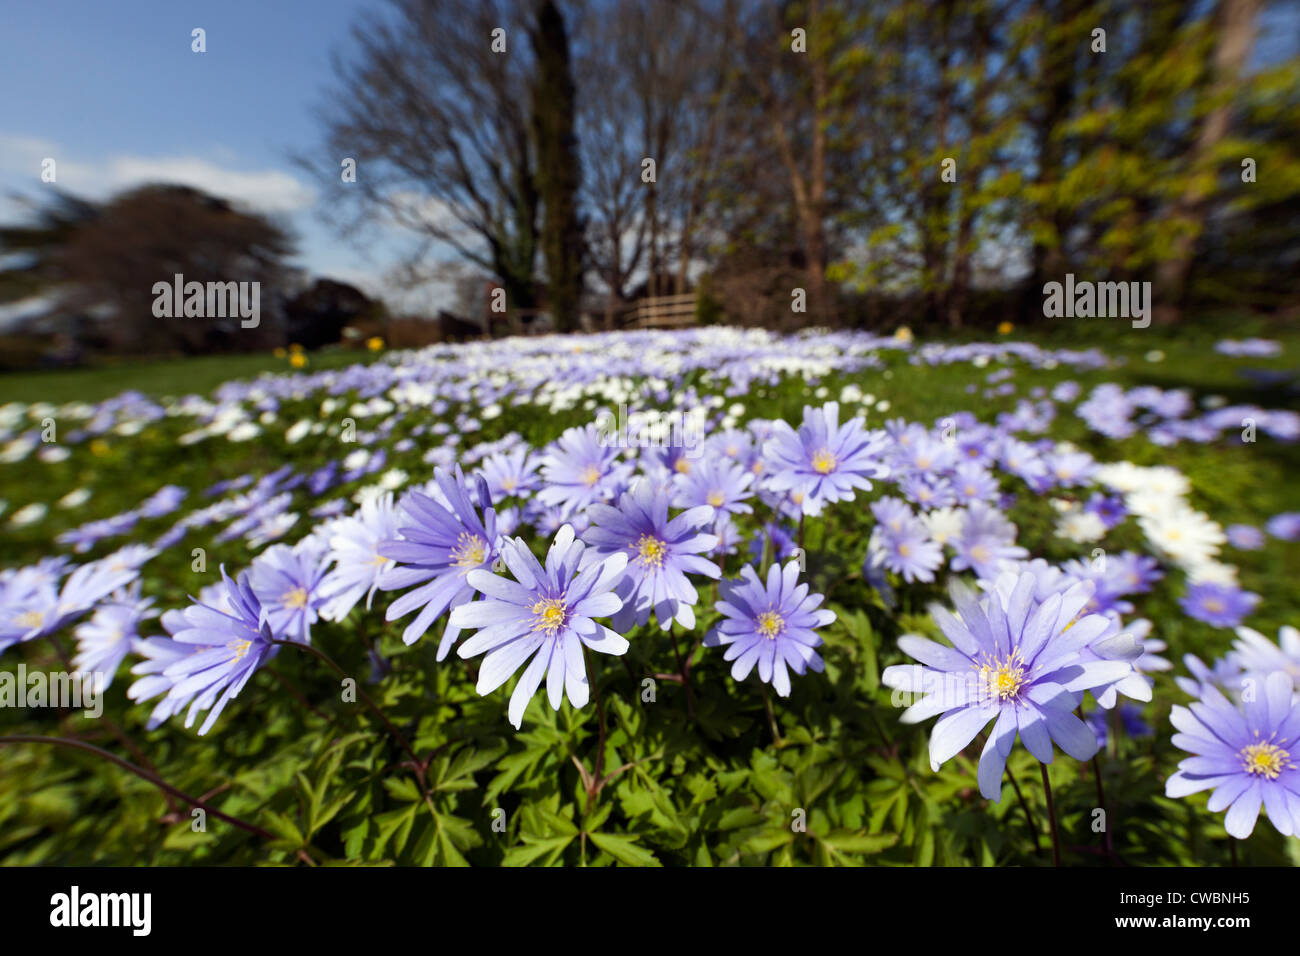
(962, 269)
(558, 166)
(1057, 79)
(1235, 32)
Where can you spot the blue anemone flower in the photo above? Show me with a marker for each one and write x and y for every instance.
(1247, 756)
(547, 613)
(1015, 661)
(213, 653)
(579, 468)
(824, 461)
(287, 582)
(660, 553)
(439, 545)
(770, 625)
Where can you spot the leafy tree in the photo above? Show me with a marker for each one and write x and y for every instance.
(101, 264)
(31, 245)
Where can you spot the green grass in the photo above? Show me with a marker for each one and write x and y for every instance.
(177, 376)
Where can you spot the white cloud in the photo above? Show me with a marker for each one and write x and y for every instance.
(268, 190)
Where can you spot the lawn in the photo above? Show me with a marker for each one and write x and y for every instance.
(174, 376)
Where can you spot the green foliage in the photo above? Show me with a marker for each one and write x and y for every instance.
(1108, 163)
(691, 774)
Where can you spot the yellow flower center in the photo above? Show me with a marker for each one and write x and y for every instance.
(239, 649)
(682, 466)
(509, 484)
(1265, 760)
(771, 625)
(716, 499)
(651, 551)
(470, 551)
(30, 619)
(294, 599)
(549, 615)
(591, 475)
(1004, 678)
(823, 462)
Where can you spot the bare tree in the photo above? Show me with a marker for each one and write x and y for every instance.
(650, 78)
(433, 106)
(792, 99)
(612, 155)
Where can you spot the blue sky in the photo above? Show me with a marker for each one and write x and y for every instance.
(112, 91)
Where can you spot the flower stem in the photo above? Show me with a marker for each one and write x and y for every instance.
(143, 774)
(1051, 816)
(596, 778)
(419, 768)
(295, 693)
(1101, 802)
(374, 708)
(1029, 817)
(686, 678)
(684, 672)
(122, 736)
(771, 718)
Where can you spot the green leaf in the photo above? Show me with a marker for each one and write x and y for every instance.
(534, 849)
(624, 849)
(395, 825)
(283, 827)
(845, 841)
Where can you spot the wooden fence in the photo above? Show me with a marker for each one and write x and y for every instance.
(660, 312)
